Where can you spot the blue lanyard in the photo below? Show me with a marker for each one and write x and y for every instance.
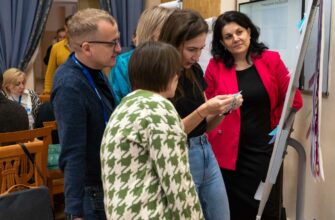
(20, 97)
(92, 84)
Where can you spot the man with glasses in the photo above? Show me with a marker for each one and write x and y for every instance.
(83, 102)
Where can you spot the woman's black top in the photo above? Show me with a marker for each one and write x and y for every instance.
(254, 151)
(192, 97)
(255, 115)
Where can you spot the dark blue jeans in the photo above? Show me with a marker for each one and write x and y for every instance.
(208, 179)
(94, 203)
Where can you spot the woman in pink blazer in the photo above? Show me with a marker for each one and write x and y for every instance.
(241, 142)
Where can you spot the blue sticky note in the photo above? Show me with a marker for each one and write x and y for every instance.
(301, 24)
(274, 131)
(272, 140)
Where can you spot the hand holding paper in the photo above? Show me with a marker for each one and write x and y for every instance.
(235, 103)
(238, 100)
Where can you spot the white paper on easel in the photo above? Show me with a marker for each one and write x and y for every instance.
(171, 4)
(321, 176)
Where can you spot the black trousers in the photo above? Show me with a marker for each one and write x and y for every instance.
(241, 190)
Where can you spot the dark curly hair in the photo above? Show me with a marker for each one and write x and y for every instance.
(219, 52)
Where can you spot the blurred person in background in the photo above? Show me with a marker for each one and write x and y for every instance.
(149, 25)
(60, 35)
(14, 86)
(13, 116)
(60, 51)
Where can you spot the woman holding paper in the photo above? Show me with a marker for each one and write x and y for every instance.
(241, 142)
(186, 30)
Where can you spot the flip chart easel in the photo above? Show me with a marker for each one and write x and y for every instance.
(286, 122)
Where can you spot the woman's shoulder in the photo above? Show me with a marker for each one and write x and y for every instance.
(215, 63)
(270, 55)
(216, 66)
(142, 99)
(149, 105)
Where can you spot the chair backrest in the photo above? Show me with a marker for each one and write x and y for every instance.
(52, 124)
(28, 136)
(44, 98)
(10, 163)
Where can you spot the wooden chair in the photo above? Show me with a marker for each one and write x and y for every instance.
(11, 161)
(55, 177)
(25, 166)
(44, 98)
(27, 136)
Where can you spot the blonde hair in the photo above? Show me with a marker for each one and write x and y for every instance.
(10, 78)
(83, 24)
(151, 21)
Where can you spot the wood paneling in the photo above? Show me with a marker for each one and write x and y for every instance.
(207, 8)
(82, 4)
(151, 3)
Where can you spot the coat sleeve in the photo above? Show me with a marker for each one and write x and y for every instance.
(71, 116)
(210, 79)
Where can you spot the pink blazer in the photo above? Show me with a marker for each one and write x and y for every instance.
(221, 80)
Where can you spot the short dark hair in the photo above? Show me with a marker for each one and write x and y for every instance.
(181, 26)
(153, 65)
(218, 50)
(60, 30)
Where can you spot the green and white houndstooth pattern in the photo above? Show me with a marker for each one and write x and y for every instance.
(144, 160)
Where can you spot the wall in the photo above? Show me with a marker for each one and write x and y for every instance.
(82, 4)
(205, 8)
(227, 5)
(150, 3)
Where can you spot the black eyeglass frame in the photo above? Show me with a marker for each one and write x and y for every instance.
(112, 43)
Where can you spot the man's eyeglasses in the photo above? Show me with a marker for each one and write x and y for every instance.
(111, 44)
